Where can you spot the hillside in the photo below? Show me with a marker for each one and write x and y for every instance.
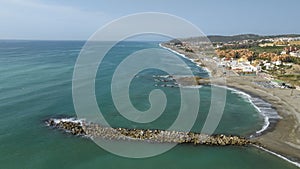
(226, 39)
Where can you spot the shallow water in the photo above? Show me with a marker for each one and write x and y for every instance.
(36, 84)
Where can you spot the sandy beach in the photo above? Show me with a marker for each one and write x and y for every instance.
(283, 137)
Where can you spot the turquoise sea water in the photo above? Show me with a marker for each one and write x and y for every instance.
(36, 84)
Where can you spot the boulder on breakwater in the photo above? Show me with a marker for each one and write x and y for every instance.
(157, 136)
(192, 80)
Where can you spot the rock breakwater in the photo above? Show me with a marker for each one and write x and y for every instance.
(77, 127)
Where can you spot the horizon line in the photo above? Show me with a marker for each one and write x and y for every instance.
(13, 39)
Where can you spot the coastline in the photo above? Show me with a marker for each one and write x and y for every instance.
(281, 139)
(268, 125)
(270, 119)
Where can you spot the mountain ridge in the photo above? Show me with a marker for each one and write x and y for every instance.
(240, 37)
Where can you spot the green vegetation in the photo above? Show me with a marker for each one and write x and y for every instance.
(268, 49)
(294, 60)
(293, 79)
(226, 39)
(247, 45)
(239, 46)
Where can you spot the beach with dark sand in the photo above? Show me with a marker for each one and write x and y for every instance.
(282, 137)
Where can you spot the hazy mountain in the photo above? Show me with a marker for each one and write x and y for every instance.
(220, 38)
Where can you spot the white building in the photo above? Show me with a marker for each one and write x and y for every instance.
(277, 63)
(267, 65)
(295, 54)
(244, 67)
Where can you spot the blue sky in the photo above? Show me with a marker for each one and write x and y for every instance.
(78, 19)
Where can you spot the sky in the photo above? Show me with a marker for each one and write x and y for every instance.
(78, 19)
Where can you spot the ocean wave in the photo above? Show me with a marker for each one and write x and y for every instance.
(191, 87)
(72, 119)
(176, 52)
(206, 70)
(264, 108)
(280, 156)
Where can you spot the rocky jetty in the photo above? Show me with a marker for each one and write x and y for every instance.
(74, 127)
(177, 80)
(192, 80)
(156, 136)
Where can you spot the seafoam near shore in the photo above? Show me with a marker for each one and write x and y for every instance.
(280, 156)
(265, 109)
(45, 91)
(278, 141)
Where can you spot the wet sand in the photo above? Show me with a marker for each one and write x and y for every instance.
(284, 137)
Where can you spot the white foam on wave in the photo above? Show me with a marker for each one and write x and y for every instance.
(280, 156)
(264, 108)
(56, 121)
(192, 87)
(261, 106)
(207, 70)
(192, 60)
(182, 55)
(265, 126)
(162, 76)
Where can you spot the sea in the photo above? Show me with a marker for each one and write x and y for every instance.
(36, 84)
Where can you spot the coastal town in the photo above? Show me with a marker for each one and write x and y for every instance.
(263, 67)
(277, 59)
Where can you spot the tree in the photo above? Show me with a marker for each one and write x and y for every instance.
(236, 55)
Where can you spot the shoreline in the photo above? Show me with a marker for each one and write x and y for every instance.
(268, 125)
(279, 156)
(280, 138)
